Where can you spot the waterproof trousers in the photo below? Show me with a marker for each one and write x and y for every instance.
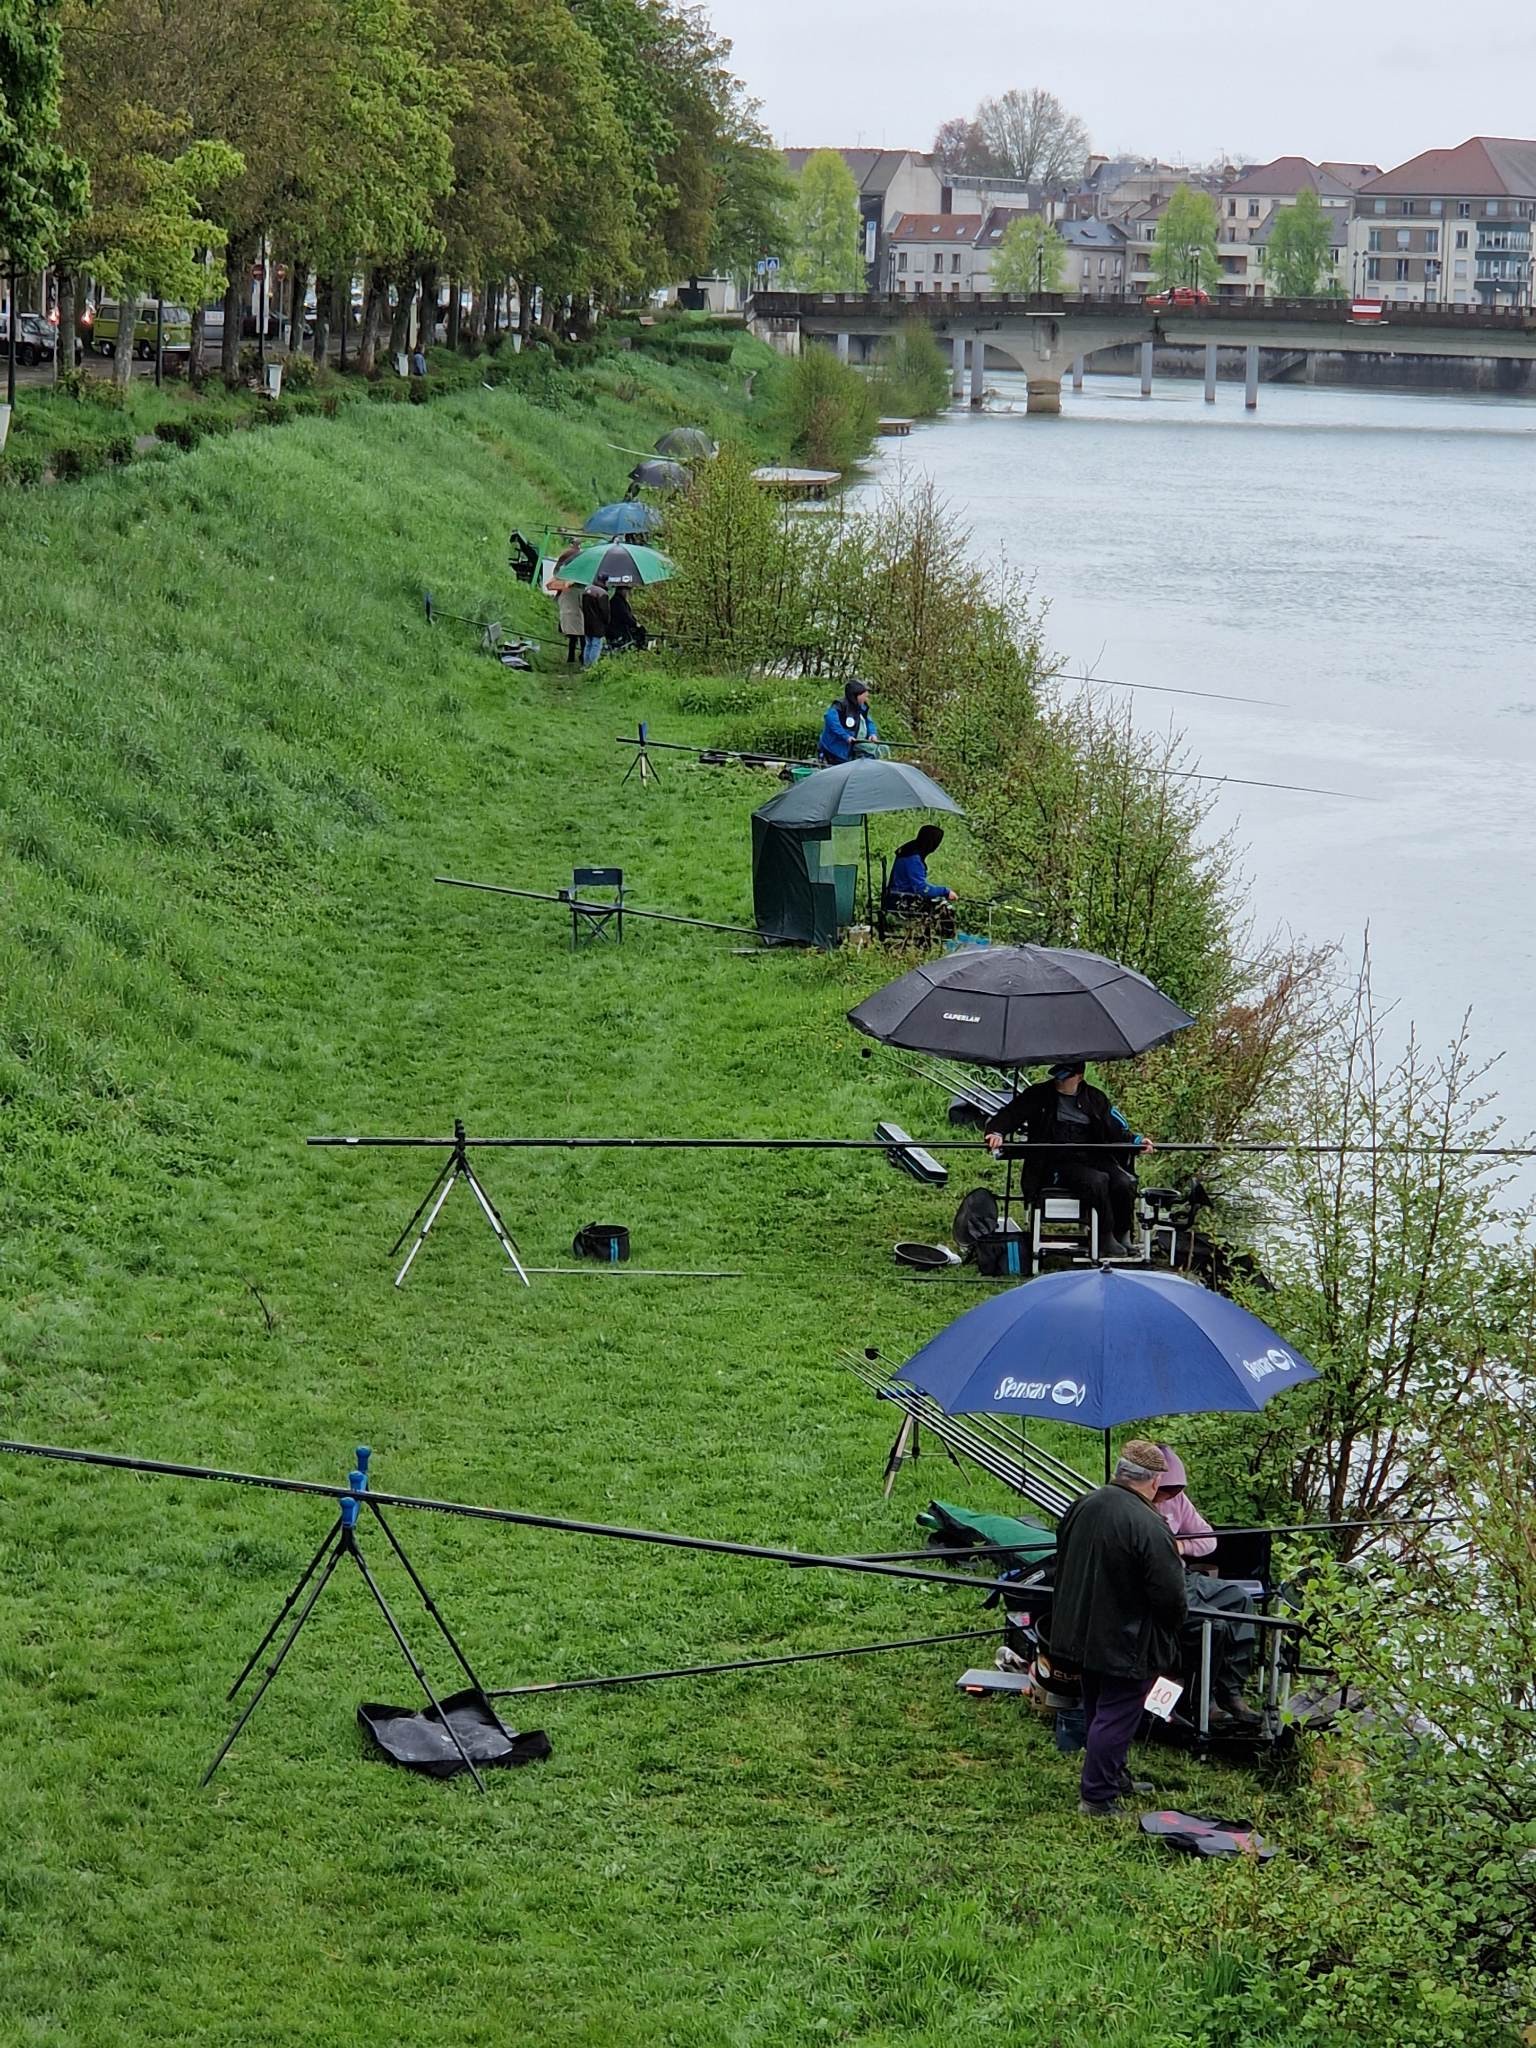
(1112, 1709)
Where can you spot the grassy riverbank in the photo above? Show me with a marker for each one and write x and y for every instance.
(236, 755)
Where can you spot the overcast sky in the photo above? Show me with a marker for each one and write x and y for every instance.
(1356, 80)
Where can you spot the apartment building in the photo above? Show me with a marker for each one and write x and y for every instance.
(932, 253)
(1248, 204)
(1449, 226)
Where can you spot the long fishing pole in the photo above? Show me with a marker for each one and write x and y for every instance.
(515, 1692)
(1276, 1148)
(605, 909)
(517, 1517)
(1163, 690)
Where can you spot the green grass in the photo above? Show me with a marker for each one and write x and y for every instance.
(235, 755)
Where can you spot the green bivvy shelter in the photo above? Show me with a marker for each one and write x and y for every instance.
(800, 894)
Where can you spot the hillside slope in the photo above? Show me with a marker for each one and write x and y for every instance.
(235, 755)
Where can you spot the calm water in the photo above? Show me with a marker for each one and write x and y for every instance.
(1365, 559)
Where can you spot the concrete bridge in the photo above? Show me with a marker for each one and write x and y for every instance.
(1047, 335)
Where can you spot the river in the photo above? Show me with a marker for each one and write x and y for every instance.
(1365, 560)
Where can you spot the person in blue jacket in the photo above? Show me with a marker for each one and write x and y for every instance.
(846, 726)
(909, 870)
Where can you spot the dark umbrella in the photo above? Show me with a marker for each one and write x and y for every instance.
(1104, 1346)
(1019, 1006)
(849, 792)
(626, 520)
(659, 476)
(685, 443)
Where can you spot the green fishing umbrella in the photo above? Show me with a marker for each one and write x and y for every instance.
(617, 565)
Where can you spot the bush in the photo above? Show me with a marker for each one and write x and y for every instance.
(913, 376)
(102, 392)
(419, 393)
(118, 448)
(184, 432)
(71, 464)
(299, 371)
(20, 468)
(826, 409)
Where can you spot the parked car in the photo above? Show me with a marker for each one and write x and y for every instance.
(1182, 296)
(1368, 309)
(99, 325)
(37, 339)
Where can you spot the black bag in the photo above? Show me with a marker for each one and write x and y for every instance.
(1002, 1255)
(975, 1219)
(608, 1242)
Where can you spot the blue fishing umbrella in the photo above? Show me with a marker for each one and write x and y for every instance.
(1100, 1346)
(629, 520)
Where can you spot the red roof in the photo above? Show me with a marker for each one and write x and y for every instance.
(936, 227)
(1289, 175)
(1484, 164)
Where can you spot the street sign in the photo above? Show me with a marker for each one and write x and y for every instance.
(258, 271)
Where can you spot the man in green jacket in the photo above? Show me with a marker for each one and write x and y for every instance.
(1118, 1604)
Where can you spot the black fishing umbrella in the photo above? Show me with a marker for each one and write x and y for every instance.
(848, 793)
(1021, 1006)
(656, 475)
(685, 443)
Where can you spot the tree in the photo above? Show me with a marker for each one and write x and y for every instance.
(1185, 250)
(42, 187)
(1298, 263)
(752, 208)
(825, 252)
(1031, 257)
(961, 149)
(1029, 134)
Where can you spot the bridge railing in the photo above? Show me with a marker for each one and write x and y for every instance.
(937, 305)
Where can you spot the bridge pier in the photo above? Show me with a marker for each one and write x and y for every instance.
(1146, 369)
(957, 367)
(1045, 394)
(1210, 373)
(1251, 377)
(1077, 375)
(978, 373)
(844, 343)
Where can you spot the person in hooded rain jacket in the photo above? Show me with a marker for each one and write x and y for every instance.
(909, 870)
(1118, 1604)
(1064, 1111)
(846, 726)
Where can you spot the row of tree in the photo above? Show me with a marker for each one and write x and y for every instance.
(584, 148)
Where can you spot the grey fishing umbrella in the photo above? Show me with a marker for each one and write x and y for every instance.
(684, 443)
(847, 794)
(1021, 1006)
(656, 475)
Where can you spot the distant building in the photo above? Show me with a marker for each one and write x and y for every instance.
(1450, 225)
(1095, 261)
(890, 182)
(1246, 209)
(932, 253)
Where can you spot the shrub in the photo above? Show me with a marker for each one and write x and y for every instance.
(103, 392)
(826, 409)
(913, 377)
(73, 383)
(71, 464)
(20, 468)
(118, 448)
(183, 432)
(299, 371)
(418, 392)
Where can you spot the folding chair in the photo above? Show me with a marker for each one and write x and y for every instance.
(593, 921)
(1063, 1226)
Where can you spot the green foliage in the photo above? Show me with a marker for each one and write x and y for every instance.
(1185, 249)
(1031, 257)
(42, 188)
(827, 411)
(20, 468)
(1298, 261)
(912, 376)
(825, 252)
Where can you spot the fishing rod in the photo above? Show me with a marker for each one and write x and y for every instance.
(572, 902)
(1276, 1147)
(514, 1692)
(162, 1468)
(1163, 690)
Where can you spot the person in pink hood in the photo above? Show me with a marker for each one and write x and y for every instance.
(1195, 1540)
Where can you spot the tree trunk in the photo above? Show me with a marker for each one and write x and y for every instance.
(373, 320)
(426, 326)
(527, 291)
(122, 348)
(400, 318)
(64, 354)
(476, 323)
(298, 284)
(238, 257)
(455, 320)
(325, 293)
